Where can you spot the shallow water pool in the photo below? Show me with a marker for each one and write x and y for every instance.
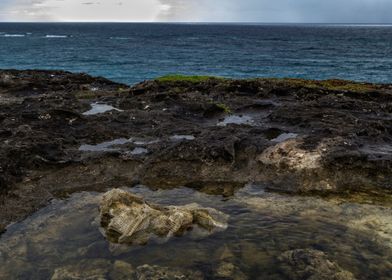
(262, 227)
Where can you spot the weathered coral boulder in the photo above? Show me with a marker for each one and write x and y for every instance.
(312, 265)
(129, 219)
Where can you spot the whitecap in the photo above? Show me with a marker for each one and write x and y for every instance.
(14, 35)
(120, 38)
(56, 36)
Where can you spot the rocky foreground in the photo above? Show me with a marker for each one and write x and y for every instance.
(61, 133)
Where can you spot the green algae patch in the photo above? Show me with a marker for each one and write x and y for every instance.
(332, 84)
(184, 78)
(223, 107)
(90, 94)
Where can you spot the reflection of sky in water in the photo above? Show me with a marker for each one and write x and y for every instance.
(182, 137)
(284, 136)
(98, 108)
(105, 146)
(234, 119)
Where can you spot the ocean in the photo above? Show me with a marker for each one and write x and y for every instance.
(133, 52)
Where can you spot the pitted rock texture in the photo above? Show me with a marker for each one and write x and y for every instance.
(232, 132)
(154, 272)
(128, 219)
(312, 265)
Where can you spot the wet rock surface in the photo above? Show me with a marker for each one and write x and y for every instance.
(96, 269)
(148, 272)
(214, 136)
(312, 265)
(129, 219)
(100, 269)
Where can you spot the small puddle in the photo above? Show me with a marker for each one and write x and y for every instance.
(284, 136)
(108, 146)
(100, 108)
(262, 226)
(145, 142)
(182, 137)
(236, 119)
(114, 145)
(139, 151)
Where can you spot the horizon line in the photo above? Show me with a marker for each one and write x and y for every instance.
(206, 22)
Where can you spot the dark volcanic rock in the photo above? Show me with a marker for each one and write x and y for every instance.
(214, 135)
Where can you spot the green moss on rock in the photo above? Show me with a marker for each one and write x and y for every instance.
(333, 84)
(184, 78)
(224, 107)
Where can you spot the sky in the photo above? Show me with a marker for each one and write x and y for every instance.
(268, 11)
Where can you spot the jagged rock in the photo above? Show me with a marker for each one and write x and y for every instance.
(148, 272)
(312, 265)
(129, 219)
(290, 155)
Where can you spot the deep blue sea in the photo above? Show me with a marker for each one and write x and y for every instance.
(131, 53)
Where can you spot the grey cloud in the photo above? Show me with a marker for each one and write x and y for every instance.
(91, 3)
(323, 11)
(29, 10)
(344, 11)
(176, 9)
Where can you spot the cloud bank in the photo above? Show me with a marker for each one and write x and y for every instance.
(80, 10)
(338, 11)
(332, 11)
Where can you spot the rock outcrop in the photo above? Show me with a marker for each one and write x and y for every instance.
(129, 219)
(213, 135)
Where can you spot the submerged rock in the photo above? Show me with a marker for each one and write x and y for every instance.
(226, 268)
(101, 269)
(229, 271)
(312, 265)
(122, 271)
(129, 219)
(148, 272)
(95, 269)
